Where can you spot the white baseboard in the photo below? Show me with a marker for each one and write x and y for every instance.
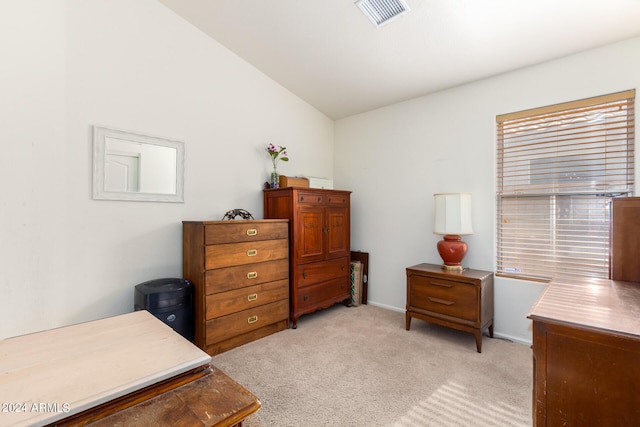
(495, 334)
(517, 340)
(388, 307)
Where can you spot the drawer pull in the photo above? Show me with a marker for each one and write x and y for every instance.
(252, 232)
(252, 297)
(252, 275)
(304, 274)
(442, 284)
(440, 301)
(252, 319)
(252, 252)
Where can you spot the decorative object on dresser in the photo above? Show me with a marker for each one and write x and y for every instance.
(289, 181)
(625, 243)
(323, 183)
(586, 348)
(319, 222)
(452, 219)
(235, 213)
(240, 273)
(277, 154)
(461, 300)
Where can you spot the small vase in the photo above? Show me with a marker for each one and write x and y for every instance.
(274, 182)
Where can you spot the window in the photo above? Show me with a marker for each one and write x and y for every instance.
(558, 168)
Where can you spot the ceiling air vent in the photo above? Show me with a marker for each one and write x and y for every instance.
(381, 12)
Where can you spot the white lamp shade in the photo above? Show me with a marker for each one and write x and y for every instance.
(452, 213)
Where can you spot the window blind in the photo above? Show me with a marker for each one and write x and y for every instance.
(558, 167)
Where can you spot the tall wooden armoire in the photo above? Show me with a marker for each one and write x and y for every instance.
(319, 246)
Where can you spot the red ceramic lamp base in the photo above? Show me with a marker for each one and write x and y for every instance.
(452, 250)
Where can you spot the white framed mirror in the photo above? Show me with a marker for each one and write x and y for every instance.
(133, 166)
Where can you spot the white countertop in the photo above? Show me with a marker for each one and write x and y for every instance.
(50, 375)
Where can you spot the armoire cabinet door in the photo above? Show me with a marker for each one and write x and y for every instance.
(310, 222)
(337, 232)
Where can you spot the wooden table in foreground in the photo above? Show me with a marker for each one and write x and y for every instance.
(586, 348)
(131, 368)
(213, 400)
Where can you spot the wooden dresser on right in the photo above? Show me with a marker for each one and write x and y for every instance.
(586, 354)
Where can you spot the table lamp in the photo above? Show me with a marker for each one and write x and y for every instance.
(452, 219)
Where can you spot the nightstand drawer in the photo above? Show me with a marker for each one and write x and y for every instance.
(230, 254)
(229, 278)
(451, 298)
(224, 303)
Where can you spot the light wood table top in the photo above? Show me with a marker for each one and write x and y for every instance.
(51, 375)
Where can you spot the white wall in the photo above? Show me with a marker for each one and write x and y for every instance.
(395, 158)
(70, 64)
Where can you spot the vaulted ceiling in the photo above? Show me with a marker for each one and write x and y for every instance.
(330, 55)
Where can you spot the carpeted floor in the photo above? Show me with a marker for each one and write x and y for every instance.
(358, 366)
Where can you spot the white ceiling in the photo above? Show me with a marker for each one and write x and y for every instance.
(329, 54)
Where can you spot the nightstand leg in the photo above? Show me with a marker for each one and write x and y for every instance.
(491, 330)
(407, 321)
(478, 341)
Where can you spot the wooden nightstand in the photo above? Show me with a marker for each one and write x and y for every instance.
(460, 300)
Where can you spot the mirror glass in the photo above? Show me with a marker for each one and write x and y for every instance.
(133, 166)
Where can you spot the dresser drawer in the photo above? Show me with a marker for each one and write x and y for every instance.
(333, 290)
(338, 199)
(451, 298)
(315, 272)
(222, 328)
(229, 278)
(310, 198)
(244, 231)
(230, 254)
(229, 302)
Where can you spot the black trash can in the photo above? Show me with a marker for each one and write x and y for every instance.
(170, 300)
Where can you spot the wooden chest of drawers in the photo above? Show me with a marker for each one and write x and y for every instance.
(240, 273)
(460, 300)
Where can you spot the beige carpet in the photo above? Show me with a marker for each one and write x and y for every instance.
(358, 366)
